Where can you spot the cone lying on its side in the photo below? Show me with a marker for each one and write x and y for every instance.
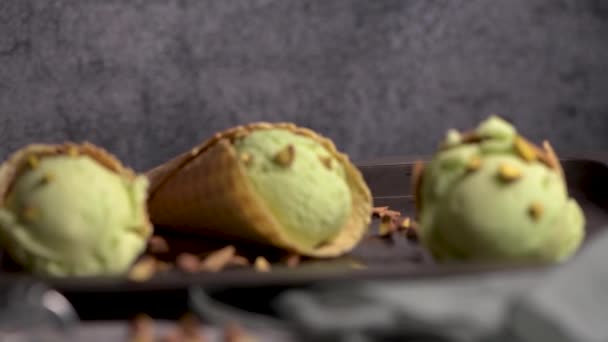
(207, 190)
(72, 210)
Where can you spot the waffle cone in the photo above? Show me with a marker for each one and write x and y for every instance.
(206, 191)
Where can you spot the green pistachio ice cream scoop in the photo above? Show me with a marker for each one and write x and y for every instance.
(490, 195)
(72, 210)
(274, 184)
(300, 183)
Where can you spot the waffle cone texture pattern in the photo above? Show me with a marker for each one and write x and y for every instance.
(206, 191)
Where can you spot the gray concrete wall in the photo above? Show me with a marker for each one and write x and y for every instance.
(149, 78)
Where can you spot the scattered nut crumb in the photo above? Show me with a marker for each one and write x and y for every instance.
(234, 333)
(392, 213)
(386, 226)
(174, 335)
(187, 262)
(143, 270)
(509, 172)
(163, 266)
(286, 156)
(357, 265)
(187, 329)
(412, 232)
(379, 211)
(158, 245)
(142, 329)
(190, 326)
(390, 220)
(536, 211)
(293, 260)
(239, 260)
(178, 335)
(217, 260)
(262, 265)
(406, 223)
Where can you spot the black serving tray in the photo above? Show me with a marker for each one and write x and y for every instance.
(374, 258)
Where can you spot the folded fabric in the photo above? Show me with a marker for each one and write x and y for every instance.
(570, 305)
(463, 309)
(566, 303)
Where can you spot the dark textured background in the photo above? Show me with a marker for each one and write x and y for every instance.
(147, 79)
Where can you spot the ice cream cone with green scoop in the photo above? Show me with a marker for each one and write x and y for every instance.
(491, 195)
(72, 210)
(274, 184)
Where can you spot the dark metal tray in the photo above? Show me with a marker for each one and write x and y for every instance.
(389, 181)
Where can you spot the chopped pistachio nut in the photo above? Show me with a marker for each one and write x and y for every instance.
(552, 159)
(474, 163)
(509, 172)
(285, 156)
(30, 213)
(33, 161)
(194, 151)
(246, 158)
(261, 264)
(525, 149)
(326, 161)
(142, 230)
(452, 138)
(240, 133)
(470, 137)
(73, 151)
(48, 177)
(385, 226)
(536, 211)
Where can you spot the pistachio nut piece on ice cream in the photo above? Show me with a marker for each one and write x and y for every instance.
(274, 184)
(72, 210)
(491, 195)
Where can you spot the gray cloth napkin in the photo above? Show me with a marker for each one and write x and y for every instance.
(566, 303)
